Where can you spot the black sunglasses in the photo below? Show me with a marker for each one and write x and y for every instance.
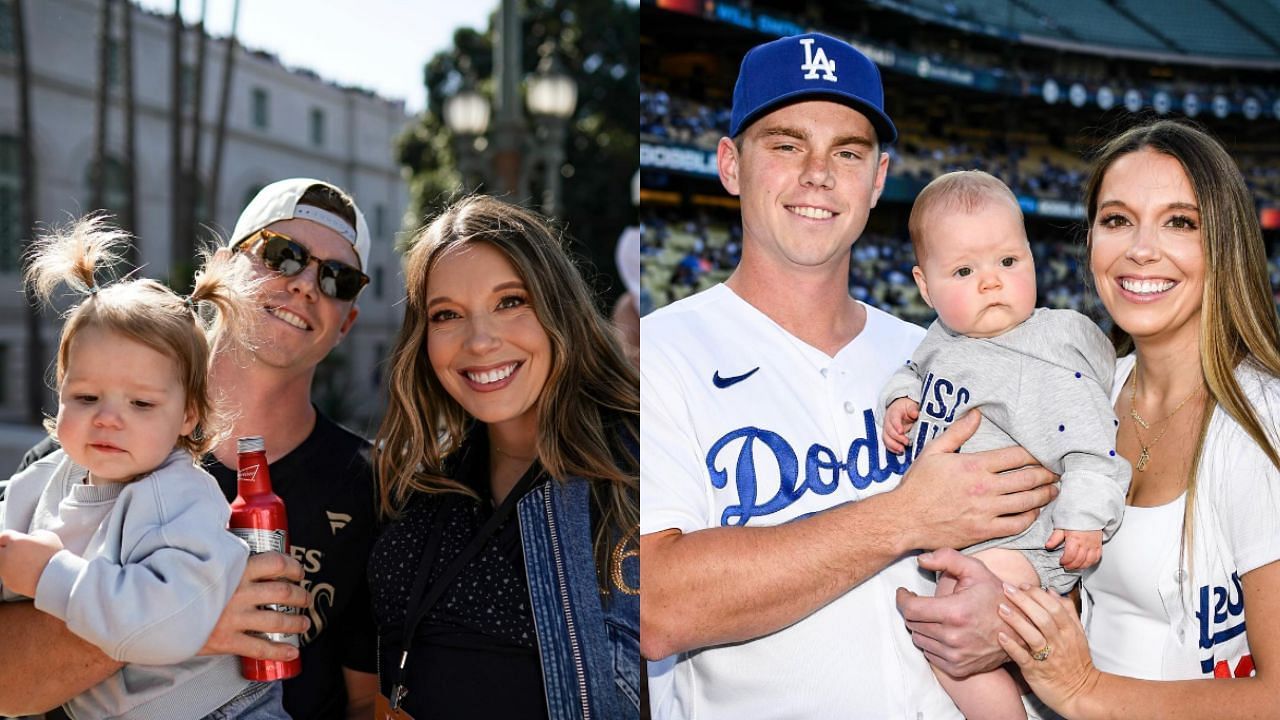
(282, 254)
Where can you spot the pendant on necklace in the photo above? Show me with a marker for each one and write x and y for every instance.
(1136, 418)
(1143, 457)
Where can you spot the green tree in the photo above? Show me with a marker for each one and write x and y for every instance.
(598, 42)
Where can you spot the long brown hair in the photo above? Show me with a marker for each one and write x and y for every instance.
(588, 411)
(149, 313)
(1238, 321)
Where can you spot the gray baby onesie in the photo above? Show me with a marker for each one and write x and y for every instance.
(1044, 385)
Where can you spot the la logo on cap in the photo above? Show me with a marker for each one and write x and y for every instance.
(815, 63)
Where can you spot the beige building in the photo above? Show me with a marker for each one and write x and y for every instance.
(282, 122)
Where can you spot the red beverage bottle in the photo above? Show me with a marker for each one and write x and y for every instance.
(257, 517)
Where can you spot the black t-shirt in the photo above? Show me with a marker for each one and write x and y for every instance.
(327, 487)
(475, 652)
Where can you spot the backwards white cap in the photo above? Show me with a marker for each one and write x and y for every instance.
(279, 201)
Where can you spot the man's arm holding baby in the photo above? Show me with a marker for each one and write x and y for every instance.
(1067, 416)
(45, 664)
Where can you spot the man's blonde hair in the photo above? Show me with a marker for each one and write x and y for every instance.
(965, 191)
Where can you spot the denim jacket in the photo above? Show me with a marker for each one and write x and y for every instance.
(589, 643)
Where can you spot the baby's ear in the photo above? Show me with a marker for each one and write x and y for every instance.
(189, 421)
(918, 274)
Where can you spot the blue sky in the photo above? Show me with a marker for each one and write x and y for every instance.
(378, 44)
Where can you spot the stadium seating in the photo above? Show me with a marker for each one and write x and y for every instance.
(683, 255)
(1190, 27)
(1098, 23)
(1200, 28)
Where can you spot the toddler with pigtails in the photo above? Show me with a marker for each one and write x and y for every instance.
(120, 533)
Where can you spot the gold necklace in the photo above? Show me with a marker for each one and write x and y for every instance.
(1145, 455)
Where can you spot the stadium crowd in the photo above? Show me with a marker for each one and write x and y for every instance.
(682, 255)
(1030, 167)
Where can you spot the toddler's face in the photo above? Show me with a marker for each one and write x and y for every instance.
(977, 271)
(121, 407)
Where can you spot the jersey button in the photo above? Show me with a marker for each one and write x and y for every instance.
(849, 408)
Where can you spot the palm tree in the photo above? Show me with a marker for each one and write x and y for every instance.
(177, 179)
(193, 171)
(97, 171)
(35, 344)
(224, 102)
(130, 219)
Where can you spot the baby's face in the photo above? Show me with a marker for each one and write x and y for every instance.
(977, 271)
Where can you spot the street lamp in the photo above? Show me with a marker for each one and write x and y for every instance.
(507, 163)
(467, 116)
(552, 96)
(467, 113)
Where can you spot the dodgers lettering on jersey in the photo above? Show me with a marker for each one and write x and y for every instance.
(941, 401)
(862, 463)
(1220, 614)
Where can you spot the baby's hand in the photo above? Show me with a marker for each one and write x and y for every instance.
(23, 557)
(898, 419)
(1084, 547)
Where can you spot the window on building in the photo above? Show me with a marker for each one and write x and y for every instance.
(380, 221)
(200, 202)
(10, 203)
(187, 86)
(317, 127)
(6, 27)
(115, 193)
(114, 59)
(377, 282)
(4, 373)
(261, 103)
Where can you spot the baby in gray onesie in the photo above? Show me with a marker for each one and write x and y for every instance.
(1040, 377)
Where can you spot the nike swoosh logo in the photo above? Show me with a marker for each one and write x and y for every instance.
(723, 382)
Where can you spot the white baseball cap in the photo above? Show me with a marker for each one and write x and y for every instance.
(279, 201)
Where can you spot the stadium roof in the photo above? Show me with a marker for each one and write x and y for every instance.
(1243, 33)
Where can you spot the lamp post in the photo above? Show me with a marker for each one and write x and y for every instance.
(507, 158)
(466, 114)
(553, 95)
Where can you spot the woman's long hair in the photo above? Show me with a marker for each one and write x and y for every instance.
(588, 411)
(1238, 319)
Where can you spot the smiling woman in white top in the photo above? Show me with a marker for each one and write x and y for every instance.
(1188, 588)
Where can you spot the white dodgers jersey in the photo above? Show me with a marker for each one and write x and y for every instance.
(742, 424)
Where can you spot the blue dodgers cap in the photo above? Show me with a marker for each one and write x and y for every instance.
(808, 67)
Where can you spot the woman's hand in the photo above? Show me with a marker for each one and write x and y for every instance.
(1057, 665)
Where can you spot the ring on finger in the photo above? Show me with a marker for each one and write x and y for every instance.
(1043, 653)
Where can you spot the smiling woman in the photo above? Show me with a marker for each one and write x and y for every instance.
(508, 466)
(1186, 592)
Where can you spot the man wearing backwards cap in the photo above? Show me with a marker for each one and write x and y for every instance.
(318, 468)
(310, 241)
(774, 527)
